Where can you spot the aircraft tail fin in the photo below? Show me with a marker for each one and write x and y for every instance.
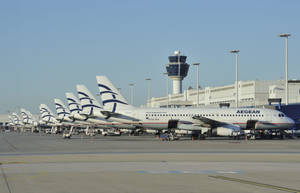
(46, 114)
(61, 109)
(74, 103)
(111, 97)
(88, 101)
(16, 119)
(26, 116)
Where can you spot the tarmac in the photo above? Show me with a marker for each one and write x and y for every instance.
(38, 163)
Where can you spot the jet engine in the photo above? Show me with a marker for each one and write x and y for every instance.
(227, 130)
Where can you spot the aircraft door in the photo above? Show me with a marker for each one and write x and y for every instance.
(172, 124)
(251, 124)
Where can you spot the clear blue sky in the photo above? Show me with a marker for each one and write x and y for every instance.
(47, 47)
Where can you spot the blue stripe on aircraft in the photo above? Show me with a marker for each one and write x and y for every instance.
(65, 113)
(104, 86)
(82, 93)
(107, 91)
(72, 110)
(85, 98)
(73, 103)
(71, 99)
(91, 105)
(113, 101)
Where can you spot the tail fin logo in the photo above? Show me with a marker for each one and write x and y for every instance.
(113, 97)
(73, 102)
(61, 110)
(46, 115)
(90, 102)
(25, 117)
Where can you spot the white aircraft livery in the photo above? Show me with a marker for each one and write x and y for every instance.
(63, 114)
(47, 116)
(221, 121)
(28, 118)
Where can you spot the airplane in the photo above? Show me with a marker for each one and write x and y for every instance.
(76, 113)
(16, 119)
(16, 122)
(65, 117)
(75, 107)
(92, 109)
(48, 119)
(63, 114)
(28, 120)
(212, 121)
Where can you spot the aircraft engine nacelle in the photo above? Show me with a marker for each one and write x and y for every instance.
(227, 130)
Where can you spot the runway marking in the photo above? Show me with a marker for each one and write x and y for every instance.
(5, 178)
(270, 186)
(189, 172)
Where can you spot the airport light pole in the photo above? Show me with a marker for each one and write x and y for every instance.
(236, 52)
(286, 36)
(149, 89)
(197, 64)
(167, 88)
(131, 93)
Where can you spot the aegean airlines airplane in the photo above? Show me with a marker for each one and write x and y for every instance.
(220, 121)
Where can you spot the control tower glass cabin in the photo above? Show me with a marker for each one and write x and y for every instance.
(177, 70)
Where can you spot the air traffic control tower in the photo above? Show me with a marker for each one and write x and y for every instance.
(177, 70)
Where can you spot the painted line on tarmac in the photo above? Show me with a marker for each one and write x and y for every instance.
(189, 172)
(269, 186)
(5, 178)
(149, 152)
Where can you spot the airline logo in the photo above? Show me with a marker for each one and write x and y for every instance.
(248, 111)
(113, 99)
(26, 118)
(90, 102)
(46, 115)
(61, 110)
(76, 105)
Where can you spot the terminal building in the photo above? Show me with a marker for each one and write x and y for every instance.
(254, 93)
(251, 93)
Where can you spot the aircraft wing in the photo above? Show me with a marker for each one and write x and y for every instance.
(207, 122)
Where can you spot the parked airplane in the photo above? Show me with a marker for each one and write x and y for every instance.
(219, 121)
(92, 109)
(76, 114)
(75, 107)
(27, 118)
(64, 115)
(47, 117)
(16, 119)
